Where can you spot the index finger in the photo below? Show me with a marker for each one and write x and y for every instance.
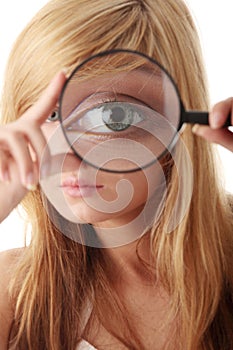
(40, 111)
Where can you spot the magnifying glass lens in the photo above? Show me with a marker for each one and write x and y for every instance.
(120, 111)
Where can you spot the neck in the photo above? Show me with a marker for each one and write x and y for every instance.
(131, 263)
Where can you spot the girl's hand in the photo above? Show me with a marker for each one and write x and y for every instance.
(217, 118)
(21, 148)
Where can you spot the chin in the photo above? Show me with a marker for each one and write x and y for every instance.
(82, 214)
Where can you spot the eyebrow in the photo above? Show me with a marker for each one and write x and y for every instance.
(157, 72)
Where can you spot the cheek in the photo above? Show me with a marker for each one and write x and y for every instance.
(142, 184)
(146, 182)
(141, 187)
(48, 129)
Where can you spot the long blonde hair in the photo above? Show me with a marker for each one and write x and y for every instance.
(56, 276)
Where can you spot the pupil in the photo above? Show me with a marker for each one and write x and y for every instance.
(117, 115)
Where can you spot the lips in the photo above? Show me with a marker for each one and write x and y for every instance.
(77, 188)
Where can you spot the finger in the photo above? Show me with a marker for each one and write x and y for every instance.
(223, 137)
(43, 107)
(19, 151)
(4, 172)
(36, 143)
(220, 113)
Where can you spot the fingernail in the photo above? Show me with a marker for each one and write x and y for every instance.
(65, 70)
(216, 120)
(31, 187)
(196, 129)
(30, 184)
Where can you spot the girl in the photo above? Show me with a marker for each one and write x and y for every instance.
(158, 291)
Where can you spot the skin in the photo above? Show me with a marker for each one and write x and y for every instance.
(107, 205)
(19, 173)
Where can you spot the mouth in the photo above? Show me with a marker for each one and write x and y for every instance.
(79, 188)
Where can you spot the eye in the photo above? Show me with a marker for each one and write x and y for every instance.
(54, 116)
(106, 118)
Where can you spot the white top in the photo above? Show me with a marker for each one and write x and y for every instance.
(84, 345)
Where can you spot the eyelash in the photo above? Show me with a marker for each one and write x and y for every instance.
(108, 99)
(54, 113)
(51, 120)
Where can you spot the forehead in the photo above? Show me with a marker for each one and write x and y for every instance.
(119, 73)
(141, 83)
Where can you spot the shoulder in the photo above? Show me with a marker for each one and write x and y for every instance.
(8, 259)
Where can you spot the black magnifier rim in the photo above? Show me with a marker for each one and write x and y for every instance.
(152, 60)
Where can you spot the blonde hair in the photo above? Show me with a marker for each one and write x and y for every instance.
(55, 275)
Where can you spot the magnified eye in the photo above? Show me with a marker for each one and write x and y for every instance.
(106, 117)
(54, 116)
(118, 116)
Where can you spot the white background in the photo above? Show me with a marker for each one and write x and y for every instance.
(215, 23)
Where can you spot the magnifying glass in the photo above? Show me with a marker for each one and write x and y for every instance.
(121, 111)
